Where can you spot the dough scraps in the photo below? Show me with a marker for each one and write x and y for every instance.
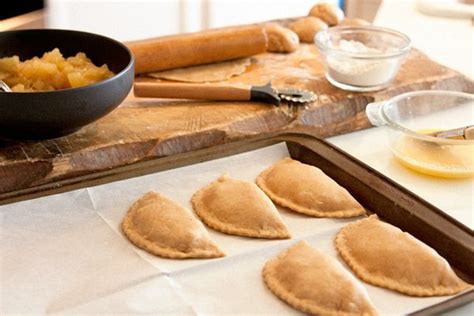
(205, 73)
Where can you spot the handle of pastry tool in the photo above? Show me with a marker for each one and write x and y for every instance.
(197, 91)
(466, 132)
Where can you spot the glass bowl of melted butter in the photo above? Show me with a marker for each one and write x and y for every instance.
(413, 118)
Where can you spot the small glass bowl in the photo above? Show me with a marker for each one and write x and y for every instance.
(411, 116)
(363, 58)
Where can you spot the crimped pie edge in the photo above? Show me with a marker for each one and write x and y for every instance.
(298, 208)
(209, 219)
(385, 282)
(274, 285)
(166, 252)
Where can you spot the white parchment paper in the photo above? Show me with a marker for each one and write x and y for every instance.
(66, 254)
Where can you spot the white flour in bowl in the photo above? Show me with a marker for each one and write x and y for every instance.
(359, 72)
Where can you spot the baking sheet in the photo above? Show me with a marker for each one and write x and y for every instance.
(66, 254)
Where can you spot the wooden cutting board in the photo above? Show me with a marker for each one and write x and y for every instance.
(142, 129)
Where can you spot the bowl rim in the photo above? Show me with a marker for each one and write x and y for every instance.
(319, 42)
(390, 123)
(96, 84)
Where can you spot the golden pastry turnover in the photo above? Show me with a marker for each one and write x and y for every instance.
(315, 283)
(385, 256)
(240, 208)
(164, 228)
(306, 189)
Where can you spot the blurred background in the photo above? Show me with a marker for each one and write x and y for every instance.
(443, 29)
(136, 19)
(20, 7)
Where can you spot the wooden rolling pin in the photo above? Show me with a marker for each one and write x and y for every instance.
(198, 48)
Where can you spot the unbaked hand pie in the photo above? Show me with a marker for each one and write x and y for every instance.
(315, 283)
(164, 228)
(240, 208)
(306, 189)
(383, 255)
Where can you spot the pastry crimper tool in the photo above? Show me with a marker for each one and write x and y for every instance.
(220, 92)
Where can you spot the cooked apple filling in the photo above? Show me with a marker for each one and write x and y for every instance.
(51, 72)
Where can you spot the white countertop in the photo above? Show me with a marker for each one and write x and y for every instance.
(454, 196)
(449, 41)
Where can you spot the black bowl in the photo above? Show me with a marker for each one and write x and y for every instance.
(42, 115)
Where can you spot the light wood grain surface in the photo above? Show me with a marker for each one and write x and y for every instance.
(141, 129)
